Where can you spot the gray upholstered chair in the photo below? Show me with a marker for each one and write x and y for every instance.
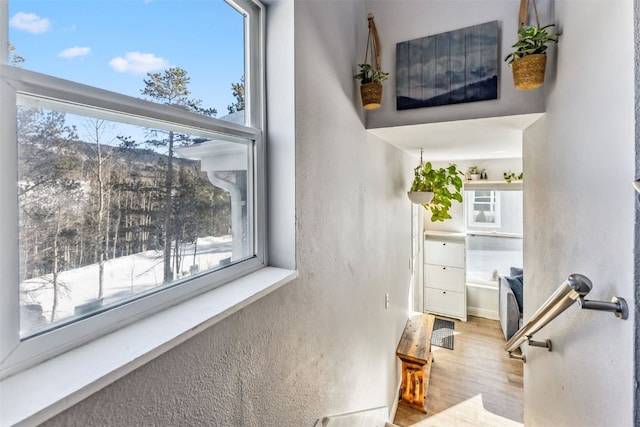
(508, 309)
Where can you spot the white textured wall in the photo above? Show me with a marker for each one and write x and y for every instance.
(579, 218)
(323, 344)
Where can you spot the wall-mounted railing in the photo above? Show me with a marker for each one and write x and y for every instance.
(367, 417)
(575, 288)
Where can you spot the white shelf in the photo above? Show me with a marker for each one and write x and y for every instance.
(485, 184)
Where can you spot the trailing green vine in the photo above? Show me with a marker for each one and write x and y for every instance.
(446, 185)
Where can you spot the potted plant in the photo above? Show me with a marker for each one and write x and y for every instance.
(510, 176)
(420, 192)
(443, 184)
(529, 60)
(473, 173)
(371, 85)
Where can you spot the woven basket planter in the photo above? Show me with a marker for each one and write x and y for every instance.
(371, 95)
(528, 71)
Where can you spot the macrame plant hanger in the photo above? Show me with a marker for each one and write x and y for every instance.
(371, 91)
(373, 44)
(523, 17)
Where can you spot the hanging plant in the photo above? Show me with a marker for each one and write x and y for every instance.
(370, 75)
(439, 187)
(528, 62)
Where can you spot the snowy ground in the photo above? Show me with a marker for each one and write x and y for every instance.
(123, 277)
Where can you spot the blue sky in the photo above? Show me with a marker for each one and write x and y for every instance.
(112, 44)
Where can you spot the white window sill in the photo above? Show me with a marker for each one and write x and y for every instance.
(483, 285)
(36, 394)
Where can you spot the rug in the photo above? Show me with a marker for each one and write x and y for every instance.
(442, 335)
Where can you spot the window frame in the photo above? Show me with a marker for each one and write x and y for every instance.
(495, 204)
(18, 354)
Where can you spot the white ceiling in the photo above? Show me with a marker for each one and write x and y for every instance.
(490, 138)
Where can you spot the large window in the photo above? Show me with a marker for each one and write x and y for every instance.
(494, 234)
(139, 164)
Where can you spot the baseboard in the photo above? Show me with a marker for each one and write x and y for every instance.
(394, 407)
(482, 312)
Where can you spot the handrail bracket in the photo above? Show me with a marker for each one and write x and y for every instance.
(617, 305)
(520, 356)
(544, 344)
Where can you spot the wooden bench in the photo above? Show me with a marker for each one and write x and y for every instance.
(414, 350)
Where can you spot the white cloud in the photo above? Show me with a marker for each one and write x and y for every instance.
(74, 52)
(138, 63)
(30, 22)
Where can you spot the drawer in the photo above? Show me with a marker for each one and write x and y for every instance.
(445, 278)
(444, 253)
(444, 302)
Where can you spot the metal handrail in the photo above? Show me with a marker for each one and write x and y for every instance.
(575, 288)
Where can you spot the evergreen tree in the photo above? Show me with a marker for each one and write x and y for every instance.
(238, 91)
(13, 58)
(171, 88)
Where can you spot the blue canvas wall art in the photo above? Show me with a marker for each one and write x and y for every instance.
(448, 68)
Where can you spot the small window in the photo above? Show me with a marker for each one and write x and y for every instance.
(484, 209)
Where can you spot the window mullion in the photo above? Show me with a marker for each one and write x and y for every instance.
(77, 98)
(9, 288)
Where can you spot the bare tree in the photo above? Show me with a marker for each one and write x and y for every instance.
(96, 133)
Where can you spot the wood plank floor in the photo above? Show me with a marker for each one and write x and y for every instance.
(478, 365)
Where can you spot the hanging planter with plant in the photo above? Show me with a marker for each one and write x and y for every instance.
(436, 188)
(529, 61)
(370, 75)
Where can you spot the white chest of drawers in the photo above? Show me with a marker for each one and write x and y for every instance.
(444, 275)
